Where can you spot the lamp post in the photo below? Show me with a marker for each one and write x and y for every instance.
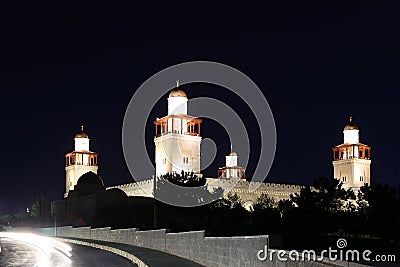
(154, 201)
(55, 225)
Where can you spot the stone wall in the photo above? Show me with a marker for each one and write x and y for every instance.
(246, 192)
(155, 239)
(64, 231)
(138, 189)
(82, 232)
(216, 251)
(210, 251)
(103, 234)
(194, 246)
(43, 231)
(125, 236)
(186, 245)
(241, 187)
(233, 251)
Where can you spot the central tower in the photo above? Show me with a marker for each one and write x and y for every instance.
(177, 137)
(352, 160)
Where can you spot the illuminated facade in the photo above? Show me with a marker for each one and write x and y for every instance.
(177, 137)
(177, 148)
(352, 160)
(79, 161)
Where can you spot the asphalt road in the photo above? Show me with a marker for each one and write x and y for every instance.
(151, 257)
(17, 253)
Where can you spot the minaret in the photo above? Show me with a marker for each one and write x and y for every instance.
(351, 160)
(231, 169)
(177, 137)
(79, 162)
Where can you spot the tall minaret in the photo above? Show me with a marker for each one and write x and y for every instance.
(351, 160)
(177, 137)
(79, 162)
(231, 168)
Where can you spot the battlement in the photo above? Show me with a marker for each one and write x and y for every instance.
(248, 191)
(241, 182)
(142, 188)
(133, 185)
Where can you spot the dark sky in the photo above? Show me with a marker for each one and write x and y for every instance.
(66, 65)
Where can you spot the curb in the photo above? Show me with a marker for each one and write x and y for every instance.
(116, 251)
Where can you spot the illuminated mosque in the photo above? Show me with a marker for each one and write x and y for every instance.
(177, 147)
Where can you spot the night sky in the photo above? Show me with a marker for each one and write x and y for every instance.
(317, 64)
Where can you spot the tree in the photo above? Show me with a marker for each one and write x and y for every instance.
(5, 219)
(40, 210)
(264, 202)
(227, 217)
(265, 216)
(285, 206)
(379, 209)
(186, 179)
(316, 211)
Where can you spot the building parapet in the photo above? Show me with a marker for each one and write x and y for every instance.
(241, 187)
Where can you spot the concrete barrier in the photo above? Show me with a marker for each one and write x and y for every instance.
(188, 245)
(117, 251)
(102, 234)
(45, 231)
(125, 236)
(82, 232)
(194, 246)
(64, 231)
(233, 251)
(154, 239)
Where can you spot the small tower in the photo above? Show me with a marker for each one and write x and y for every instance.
(352, 160)
(177, 137)
(231, 169)
(79, 161)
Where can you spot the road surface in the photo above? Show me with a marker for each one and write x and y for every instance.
(22, 254)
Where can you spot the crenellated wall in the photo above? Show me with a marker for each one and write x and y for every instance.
(138, 189)
(243, 188)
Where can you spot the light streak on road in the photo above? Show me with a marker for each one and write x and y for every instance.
(49, 251)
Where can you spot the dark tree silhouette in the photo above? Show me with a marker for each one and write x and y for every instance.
(265, 217)
(187, 179)
(228, 217)
(379, 210)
